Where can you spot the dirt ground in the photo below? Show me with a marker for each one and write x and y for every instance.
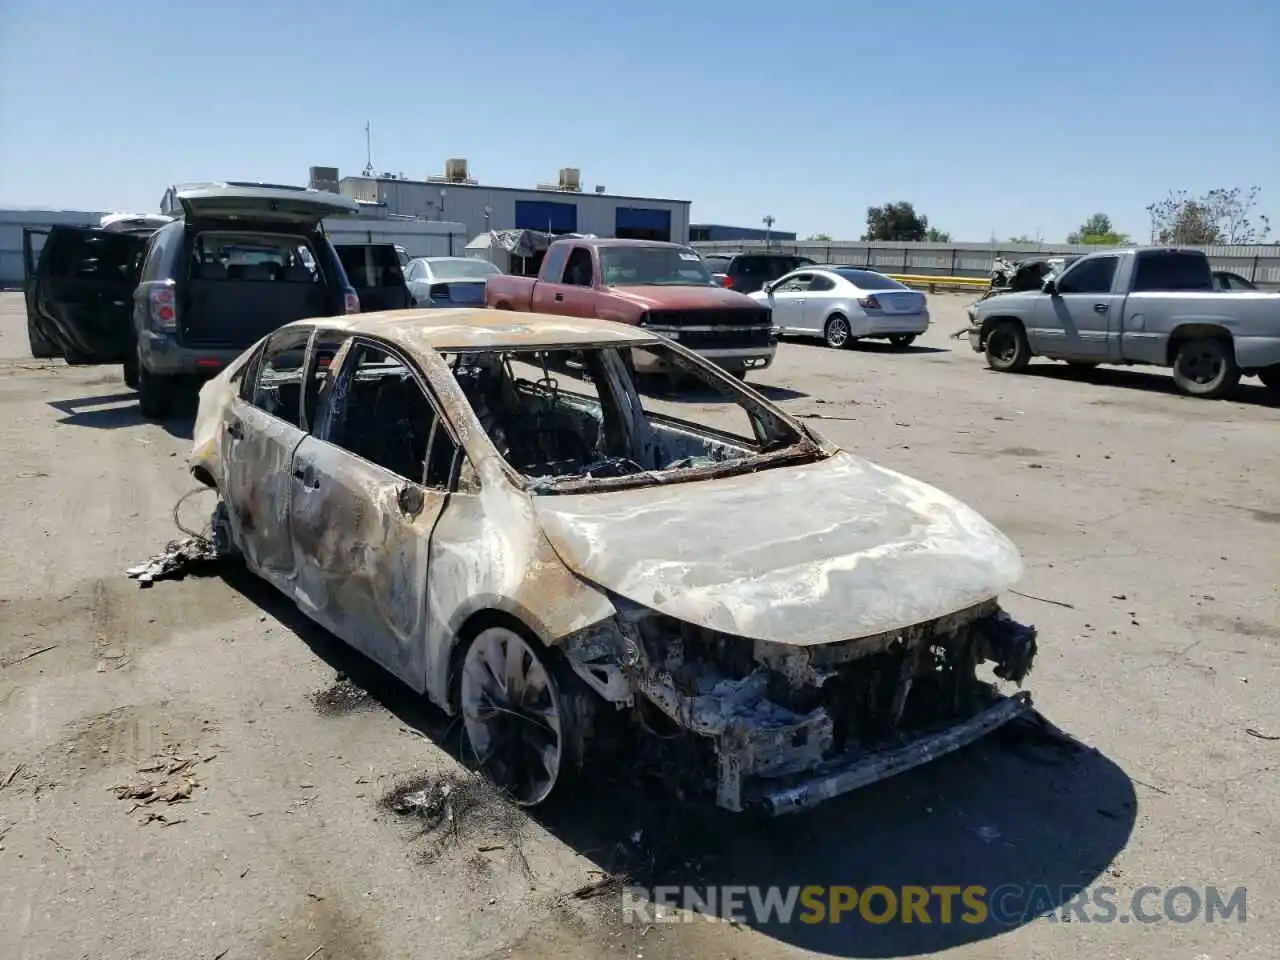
(1149, 526)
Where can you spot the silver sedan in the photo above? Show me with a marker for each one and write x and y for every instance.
(448, 281)
(844, 304)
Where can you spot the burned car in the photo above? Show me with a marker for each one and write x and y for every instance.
(562, 559)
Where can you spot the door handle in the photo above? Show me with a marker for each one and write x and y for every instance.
(236, 430)
(307, 475)
(1099, 308)
(559, 298)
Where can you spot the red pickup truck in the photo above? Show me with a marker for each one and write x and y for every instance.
(663, 287)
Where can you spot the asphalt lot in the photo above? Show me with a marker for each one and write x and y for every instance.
(1148, 522)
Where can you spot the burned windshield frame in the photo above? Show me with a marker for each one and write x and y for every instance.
(617, 442)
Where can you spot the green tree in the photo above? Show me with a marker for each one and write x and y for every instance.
(896, 221)
(1098, 230)
(1220, 216)
(819, 238)
(934, 235)
(1021, 238)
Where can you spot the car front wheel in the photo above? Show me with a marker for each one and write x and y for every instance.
(837, 332)
(1270, 377)
(1007, 348)
(519, 715)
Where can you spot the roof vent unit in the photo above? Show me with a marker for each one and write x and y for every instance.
(599, 188)
(324, 178)
(570, 179)
(455, 171)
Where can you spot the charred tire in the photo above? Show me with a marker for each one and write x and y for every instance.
(1270, 377)
(129, 369)
(524, 715)
(837, 332)
(1205, 367)
(902, 340)
(155, 394)
(42, 348)
(1007, 348)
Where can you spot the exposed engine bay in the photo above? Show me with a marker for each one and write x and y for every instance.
(782, 727)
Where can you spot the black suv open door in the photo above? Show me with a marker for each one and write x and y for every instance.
(79, 292)
(375, 272)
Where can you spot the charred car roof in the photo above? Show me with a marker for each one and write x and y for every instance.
(482, 329)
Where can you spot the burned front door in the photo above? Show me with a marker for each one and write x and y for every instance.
(363, 504)
(80, 292)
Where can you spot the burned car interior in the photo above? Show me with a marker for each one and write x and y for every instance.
(560, 416)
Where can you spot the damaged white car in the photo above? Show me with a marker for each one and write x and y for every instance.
(486, 505)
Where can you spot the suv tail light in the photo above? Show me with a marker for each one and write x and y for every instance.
(727, 281)
(869, 303)
(350, 303)
(162, 308)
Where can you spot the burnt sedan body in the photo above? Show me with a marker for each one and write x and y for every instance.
(538, 545)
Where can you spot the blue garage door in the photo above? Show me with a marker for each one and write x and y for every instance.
(546, 215)
(643, 223)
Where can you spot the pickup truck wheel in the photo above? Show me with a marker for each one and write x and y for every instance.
(155, 394)
(1007, 348)
(1270, 378)
(1205, 367)
(837, 332)
(902, 340)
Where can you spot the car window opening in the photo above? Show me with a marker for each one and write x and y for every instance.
(377, 410)
(565, 418)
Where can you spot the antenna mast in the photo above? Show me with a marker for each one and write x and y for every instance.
(368, 151)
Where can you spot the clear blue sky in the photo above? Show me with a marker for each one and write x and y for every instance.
(989, 116)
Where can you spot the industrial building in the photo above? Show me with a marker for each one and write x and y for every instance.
(560, 207)
(717, 232)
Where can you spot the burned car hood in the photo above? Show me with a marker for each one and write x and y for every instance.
(827, 551)
(683, 298)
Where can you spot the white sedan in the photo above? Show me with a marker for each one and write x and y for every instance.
(843, 304)
(448, 281)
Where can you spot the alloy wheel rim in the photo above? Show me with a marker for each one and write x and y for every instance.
(512, 716)
(839, 333)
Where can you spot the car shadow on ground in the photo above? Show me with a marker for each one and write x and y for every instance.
(1032, 819)
(1248, 391)
(110, 411)
(867, 346)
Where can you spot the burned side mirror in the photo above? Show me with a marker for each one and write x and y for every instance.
(1050, 287)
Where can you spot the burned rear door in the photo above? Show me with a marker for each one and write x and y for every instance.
(261, 430)
(367, 488)
(80, 294)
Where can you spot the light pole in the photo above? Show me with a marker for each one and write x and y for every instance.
(441, 209)
(768, 227)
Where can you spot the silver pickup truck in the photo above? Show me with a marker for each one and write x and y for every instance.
(1145, 305)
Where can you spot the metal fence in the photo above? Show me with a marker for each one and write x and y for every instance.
(1259, 264)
